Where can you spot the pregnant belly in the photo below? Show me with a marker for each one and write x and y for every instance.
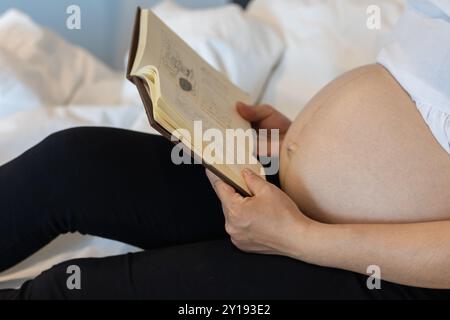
(360, 152)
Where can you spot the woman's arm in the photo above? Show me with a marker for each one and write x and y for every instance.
(416, 254)
(270, 223)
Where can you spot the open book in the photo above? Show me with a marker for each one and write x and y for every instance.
(184, 96)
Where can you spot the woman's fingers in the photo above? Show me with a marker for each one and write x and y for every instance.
(254, 113)
(264, 116)
(254, 182)
(225, 193)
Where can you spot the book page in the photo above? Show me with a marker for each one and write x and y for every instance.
(191, 90)
(188, 83)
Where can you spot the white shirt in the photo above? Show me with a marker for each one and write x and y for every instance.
(418, 56)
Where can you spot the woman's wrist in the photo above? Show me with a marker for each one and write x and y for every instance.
(312, 241)
(298, 238)
(328, 245)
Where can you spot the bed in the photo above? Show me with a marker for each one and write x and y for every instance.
(281, 52)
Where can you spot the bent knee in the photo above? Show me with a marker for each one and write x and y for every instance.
(71, 135)
(80, 142)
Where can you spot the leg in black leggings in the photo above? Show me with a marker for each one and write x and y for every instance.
(122, 185)
(112, 183)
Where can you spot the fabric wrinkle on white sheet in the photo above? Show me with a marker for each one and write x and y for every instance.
(41, 68)
(418, 56)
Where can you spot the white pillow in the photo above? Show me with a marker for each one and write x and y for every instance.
(15, 92)
(323, 40)
(241, 47)
(42, 68)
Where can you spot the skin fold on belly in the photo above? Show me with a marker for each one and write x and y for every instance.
(360, 152)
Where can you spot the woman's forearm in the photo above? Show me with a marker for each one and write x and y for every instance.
(411, 254)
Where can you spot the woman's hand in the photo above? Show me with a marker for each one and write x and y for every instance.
(268, 222)
(265, 117)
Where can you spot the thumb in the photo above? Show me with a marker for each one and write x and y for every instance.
(254, 113)
(224, 192)
(254, 182)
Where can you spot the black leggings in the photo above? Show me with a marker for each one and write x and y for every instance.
(122, 185)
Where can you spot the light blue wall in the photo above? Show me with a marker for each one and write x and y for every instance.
(106, 24)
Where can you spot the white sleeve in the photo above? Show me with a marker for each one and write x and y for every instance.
(418, 55)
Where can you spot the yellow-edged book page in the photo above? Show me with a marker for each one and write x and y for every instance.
(184, 88)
